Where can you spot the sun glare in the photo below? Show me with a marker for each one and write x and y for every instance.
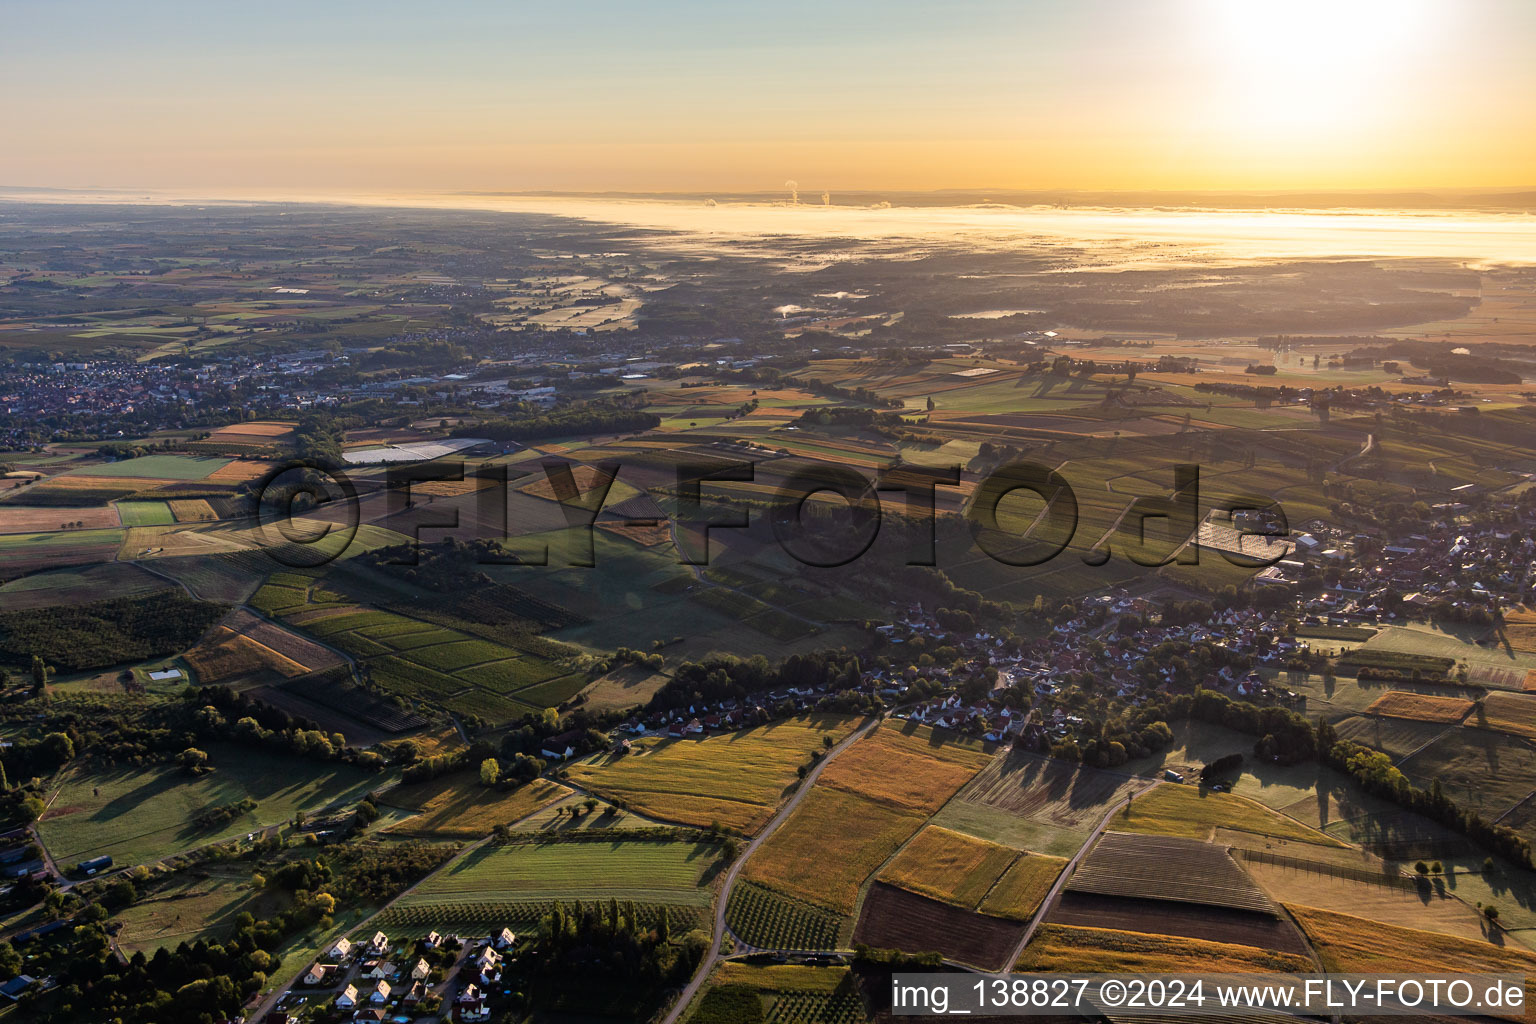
(1309, 67)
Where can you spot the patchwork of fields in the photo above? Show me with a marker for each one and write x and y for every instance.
(735, 780)
(448, 667)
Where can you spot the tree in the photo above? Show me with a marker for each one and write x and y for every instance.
(490, 771)
(1491, 912)
(193, 759)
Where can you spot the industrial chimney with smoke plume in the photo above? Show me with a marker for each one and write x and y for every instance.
(794, 191)
(826, 198)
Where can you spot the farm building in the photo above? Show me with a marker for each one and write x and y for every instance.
(95, 864)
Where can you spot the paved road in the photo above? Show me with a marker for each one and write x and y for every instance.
(708, 963)
(1066, 874)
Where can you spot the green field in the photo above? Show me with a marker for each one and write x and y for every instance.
(188, 910)
(157, 467)
(92, 582)
(422, 659)
(145, 513)
(141, 815)
(1179, 810)
(643, 870)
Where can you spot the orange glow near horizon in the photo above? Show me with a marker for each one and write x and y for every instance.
(683, 96)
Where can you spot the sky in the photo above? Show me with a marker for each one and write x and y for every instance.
(675, 95)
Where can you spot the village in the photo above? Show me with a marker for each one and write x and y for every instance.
(377, 980)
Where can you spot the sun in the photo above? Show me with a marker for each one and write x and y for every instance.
(1310, 66)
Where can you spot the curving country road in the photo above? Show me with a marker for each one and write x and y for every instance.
(707, 965)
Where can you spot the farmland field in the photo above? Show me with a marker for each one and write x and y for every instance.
(94, 582)
(779, 994)
(911, 771)
(761, 917)
(736, 778)
(948, 866)
(1431, 908)
(1023, 887)
(1035, 803)
(229, 658)
(145, 513)
(1514, 713)
(1062, 948)
(140, 815)
(1176, 810)
(1167, 868)
(1486, 771)
(163, 467)
(1396, 736)
(191, 510)
(21, 519)
(1348, 944)
(28, 552)
(457, 806)
(417, 658)
(894, 918)
(825, 850)
(1420, 707)
(643, 870)
(1165, 917)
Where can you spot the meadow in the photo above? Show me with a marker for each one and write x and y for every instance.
(1180, 810)
(458, 807)
(145, 513)
(734, 779)
(1065, 949)
(142, 815)
(643, 870)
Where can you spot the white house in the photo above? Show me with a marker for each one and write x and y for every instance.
(348, 998)
(342, 949)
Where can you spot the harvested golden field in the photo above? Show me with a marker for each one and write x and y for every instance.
(734, 779)
(1066, 948)
(265, 430)
(1177, 810)
(1520, 628)
(540, 487)
(192, 510)
(1389, 904)
(229, 657)
(458, 807)
(1353, 945)
(126, 484)
(905, 770)
(948, 866)
(1019, 893)
(1514, 713)
(622, 688)
(638, 533)
(1420, 707)
(239, 471)
(449, 488)
(21, 519)
(829, 846)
